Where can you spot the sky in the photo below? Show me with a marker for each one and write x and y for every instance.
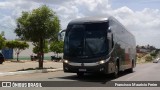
(140, 17)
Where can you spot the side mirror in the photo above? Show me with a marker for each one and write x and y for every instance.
(109, 30)
(61, 35)
(110, 38)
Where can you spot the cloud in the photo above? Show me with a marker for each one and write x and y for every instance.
(144, 24)
(10, 10)
(6, 5)
(72, 9)
(7, 23)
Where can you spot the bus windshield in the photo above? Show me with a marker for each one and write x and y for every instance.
(86, 40)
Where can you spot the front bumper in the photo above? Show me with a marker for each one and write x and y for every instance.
(89, 68)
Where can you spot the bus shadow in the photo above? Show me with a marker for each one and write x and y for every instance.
(94, 78)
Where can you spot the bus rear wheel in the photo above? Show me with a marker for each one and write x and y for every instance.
(131, 69)
(115, 74)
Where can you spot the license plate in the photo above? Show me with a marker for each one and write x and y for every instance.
(82, 70)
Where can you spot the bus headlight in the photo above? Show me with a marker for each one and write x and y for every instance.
(65, 61)
(102, 62)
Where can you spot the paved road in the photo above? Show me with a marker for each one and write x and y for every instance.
(143, 72)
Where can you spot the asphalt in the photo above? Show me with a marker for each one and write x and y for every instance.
(142, 72)
(28, 67)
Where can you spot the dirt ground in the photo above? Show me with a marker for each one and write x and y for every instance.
(9, 66)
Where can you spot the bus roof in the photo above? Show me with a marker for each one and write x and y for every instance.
(89, 19)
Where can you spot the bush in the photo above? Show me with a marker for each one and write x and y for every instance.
(153, 54)
(148, 58)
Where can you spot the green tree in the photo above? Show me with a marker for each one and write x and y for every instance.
(36, 48)
(17, 46)
(2, 41)
(57, 47)
(37, 26)
(154, 54)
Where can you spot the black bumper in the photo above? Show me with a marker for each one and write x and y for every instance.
(102, 68)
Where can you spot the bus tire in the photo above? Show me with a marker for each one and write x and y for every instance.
(131, 69)
(80, 74)
(115, 74)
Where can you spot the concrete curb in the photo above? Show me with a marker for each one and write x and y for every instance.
(29, 72)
